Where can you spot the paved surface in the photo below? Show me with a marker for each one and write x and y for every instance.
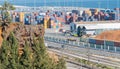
(83, 54)
(53, 33)
(99, 56)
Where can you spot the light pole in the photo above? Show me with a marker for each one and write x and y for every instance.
(81, 3)
(99, 4)
(107, 4)
(45, 5)
(104, 44)
(118, 10)
(34, 4)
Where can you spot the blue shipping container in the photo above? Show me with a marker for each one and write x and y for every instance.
(92, 41)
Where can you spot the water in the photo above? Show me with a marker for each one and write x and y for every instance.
(78, 3)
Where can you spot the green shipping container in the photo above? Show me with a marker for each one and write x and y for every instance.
(109, 43)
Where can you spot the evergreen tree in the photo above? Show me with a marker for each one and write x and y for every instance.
(4, 55)
(6, 19)
(6, 7)
(13, 44)
(41, 57)
(10, 59)
(61, 64)
(9, 53)
(26, 58)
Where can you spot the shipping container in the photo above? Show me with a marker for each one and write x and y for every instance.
(118, 49)
(117, 44)
(98, 46)
(100, 42)
(111, 48)
(92, 41)
(45, 24)
(92, 45)
(109, 43)
(105, 47)
(21, 16)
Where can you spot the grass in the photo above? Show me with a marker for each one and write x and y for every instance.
(89, 63)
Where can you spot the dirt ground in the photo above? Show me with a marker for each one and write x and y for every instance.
(9, 29)
(110, 35)
(1, 39)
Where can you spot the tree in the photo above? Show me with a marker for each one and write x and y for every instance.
(6, 19)
(26, 58)
(9, 53)
(14, 55)
(6, 7)
(33, 57)
(61, 64)
(41, 58)
(4, 57)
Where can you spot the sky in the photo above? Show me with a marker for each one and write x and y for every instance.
(41, 1)
(84, 3)
(53, 0)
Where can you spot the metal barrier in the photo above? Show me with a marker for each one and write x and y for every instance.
(83, 44)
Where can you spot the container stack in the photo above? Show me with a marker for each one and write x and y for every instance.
(22, 17)
(45, 24)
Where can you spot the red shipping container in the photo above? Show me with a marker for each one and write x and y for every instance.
(117, 44)
(100, 42)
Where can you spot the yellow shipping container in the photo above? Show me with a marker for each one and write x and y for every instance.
(96, 11)
(45, 24)
(89, 13)
(21, 16)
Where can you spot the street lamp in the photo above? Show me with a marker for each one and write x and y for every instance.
(99, 4)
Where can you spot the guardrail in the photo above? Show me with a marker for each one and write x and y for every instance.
(83, 44)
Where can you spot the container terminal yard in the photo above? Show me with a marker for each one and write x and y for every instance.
(91, 34)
